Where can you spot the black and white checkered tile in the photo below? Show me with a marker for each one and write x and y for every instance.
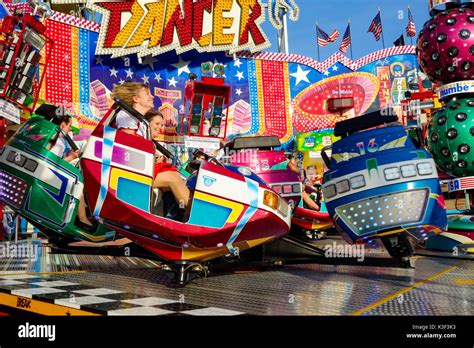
(102, 301)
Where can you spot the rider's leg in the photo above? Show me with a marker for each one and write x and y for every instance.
(173, 181)
(81, 212)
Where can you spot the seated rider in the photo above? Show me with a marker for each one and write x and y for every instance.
(61, 117)
(138, 96)
(308, 201)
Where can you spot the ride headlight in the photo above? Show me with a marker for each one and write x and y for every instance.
(392, 173)
(343, 186)
(357, 182)
(270, 199)
(277, 188)
(408, 171)
(283, 208)
(425, 168)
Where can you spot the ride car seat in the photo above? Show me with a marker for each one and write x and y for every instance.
(157, 207)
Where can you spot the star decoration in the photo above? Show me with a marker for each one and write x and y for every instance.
(172, 82)
(129, 73)
(145, 79)
(301, 75)
(237, 63)
(158, 77)
(326, 73)
(121, 81)
(113, 72)
(335, 68)
(182, 66)
(149, 60)
(99, 61)
(382, 62)
(238, 91)
(240, 75)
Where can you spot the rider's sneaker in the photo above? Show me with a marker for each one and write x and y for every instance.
(86, 227)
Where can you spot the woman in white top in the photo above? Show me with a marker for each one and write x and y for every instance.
(138, 96)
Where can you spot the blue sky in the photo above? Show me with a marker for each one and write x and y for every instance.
(333, 14)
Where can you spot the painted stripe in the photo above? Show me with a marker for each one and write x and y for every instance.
(261, 100)
(402, 291)
(252, 209)
(253, 93)
(74, 21)
(464, 282)
(75, 70)
(335, 58)
(40, 307)
(108, 144)
(84, 74)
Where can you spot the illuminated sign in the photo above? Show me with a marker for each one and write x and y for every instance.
(315, 141)
(9, 111)
(383, 73)
(154, 27)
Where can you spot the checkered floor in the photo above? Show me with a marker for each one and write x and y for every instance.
(102, 301)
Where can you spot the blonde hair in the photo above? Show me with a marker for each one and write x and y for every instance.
(127, 90)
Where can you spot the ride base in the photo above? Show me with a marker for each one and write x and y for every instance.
(113, 285)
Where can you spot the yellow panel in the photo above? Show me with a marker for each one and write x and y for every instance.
(92, 237)
(119, 173)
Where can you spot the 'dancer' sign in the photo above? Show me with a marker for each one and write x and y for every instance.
(152, 27)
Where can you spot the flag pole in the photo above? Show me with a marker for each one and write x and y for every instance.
(350, 32)
(317, 40)
(411, 37)
(383, 39)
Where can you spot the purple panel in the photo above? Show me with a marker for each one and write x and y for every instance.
(122, 156)
(98, 149)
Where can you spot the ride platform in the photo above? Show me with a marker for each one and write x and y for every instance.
(73, 284)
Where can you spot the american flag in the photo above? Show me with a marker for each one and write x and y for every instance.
(346, 39)
(323, 38)
(376, 27)
(466, 183)
(411, 28)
